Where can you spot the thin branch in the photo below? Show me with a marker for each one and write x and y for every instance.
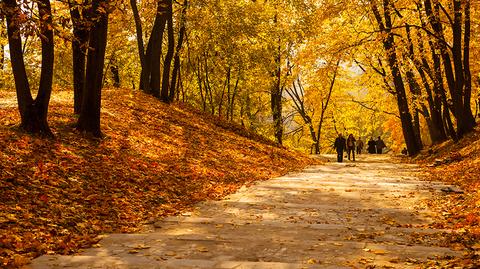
(373, 108)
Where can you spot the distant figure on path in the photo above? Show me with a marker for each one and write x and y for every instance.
(372, 146)
(340, 144)
(359, 146)
(380, 145)
(404, 151)
(351, 146)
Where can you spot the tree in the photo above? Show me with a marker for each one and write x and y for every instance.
(33, 112)
(79, 51)
(457, 70)
(389, 45)
(89, 120)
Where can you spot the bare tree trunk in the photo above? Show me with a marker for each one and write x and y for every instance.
(222, 96)
(206, 84)
(33, 112)
(89, 120)
(151, 71)
(79, 52)
(165, 92)
(459, 86)
(200, 83)
(234, 95)
(324, 109)
(140, 43)
(434, 118)
(402, 102)
(178, 50)
(276, 98)
(467, 94)
(3, 34)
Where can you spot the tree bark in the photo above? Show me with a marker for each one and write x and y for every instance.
(434, 119)
(402, 102)
(467, 95)
(176, 61)
(276, 100)
(33, 112)
(165, 92)
(324, 109)
(455, 74)
(89, 120)
(151, 71)
(140, 44)
(3, 34)
(79, 53)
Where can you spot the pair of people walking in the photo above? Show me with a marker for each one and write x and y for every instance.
(376, 146)
(348, 145)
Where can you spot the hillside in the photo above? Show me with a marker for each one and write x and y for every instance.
(58, 195)
(459, 209)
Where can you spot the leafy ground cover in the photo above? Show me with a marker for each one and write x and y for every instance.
(58, 195)
(458, 210)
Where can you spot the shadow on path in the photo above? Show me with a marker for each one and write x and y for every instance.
(348, 215)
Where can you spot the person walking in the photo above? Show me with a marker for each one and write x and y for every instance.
(340, 144)
(380, 145)
(351, 146)
(359, 146)
(372, 146)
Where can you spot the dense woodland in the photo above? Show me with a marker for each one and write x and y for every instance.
(296, 71)
(113, 113)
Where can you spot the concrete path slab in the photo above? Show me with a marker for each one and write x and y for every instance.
(350, 215)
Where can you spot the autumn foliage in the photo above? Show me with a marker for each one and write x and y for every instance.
(457, 164)
(155, 160)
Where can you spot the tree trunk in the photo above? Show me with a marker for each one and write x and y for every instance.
(276, 99)
(416, 92)
(324, 109)
(176, 61)
(231, 106)
(165, 92)
(151, 72)
(79, 54)
(33, 113)
(456, 74)
(467, 94)
(3, 34)
(434, 119)
(402, 102)
(140, 44)
(89, 120)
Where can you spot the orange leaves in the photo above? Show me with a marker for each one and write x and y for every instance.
(458, 164)
(156, 159)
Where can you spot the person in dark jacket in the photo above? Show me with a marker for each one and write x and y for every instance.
(372, 146)
(359, 146)
(380, 145)
(351, 146)
(340, 145)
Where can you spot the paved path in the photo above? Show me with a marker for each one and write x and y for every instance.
(349, 215)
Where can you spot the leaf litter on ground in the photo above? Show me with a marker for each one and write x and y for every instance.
(58, 195)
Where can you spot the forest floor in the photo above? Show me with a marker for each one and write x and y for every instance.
(373, 213)
(459, 208)
(58, 195)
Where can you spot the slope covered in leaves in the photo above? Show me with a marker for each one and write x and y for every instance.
(58, 194)
(459, 210)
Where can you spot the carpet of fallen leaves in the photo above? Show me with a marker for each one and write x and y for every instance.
(58, 195)
(459, 210)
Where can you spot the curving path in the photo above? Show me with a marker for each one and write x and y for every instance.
(352, 215)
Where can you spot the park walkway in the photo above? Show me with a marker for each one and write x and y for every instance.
(349, 215)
